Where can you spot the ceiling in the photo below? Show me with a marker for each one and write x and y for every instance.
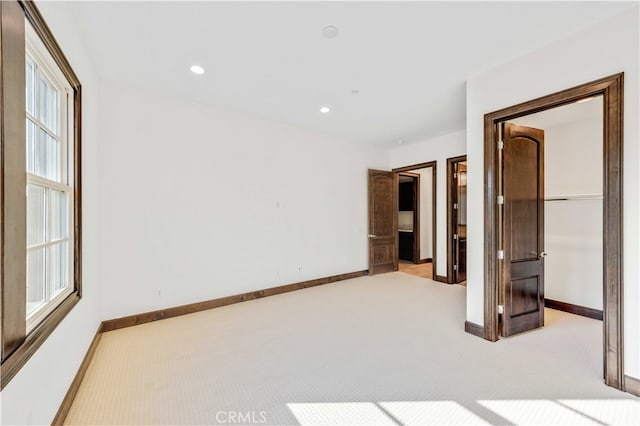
(408, 61)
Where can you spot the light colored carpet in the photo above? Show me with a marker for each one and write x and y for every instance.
(387, 349)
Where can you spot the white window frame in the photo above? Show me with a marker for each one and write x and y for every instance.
(45, 64)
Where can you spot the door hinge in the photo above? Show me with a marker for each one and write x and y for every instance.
(455, 176)
(455, 236)
(500, 144)
(500, 199)
(455, 267)
(500, 254)
(455, 206)
(500, 309)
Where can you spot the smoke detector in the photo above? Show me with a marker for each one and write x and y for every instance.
(330, 31)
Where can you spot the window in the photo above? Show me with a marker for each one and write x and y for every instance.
(49, 183)
(40, 230)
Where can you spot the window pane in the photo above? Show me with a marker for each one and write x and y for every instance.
(31, 87)
(49, 107)
(32, 146)
(58, 267)
(41, 157)
(58, 215)
(35, 214)
(48, 159)
(35, 279)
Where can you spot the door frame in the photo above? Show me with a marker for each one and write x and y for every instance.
(451, 162)
(416, 214)
(611, 88)
(434, 210)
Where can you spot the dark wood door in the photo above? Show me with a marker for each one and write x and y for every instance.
(455, 206)
(460, 221)
(457, 219)
(383, 221)
(523, 241)
(461, 258)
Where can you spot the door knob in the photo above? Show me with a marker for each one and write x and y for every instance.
(542, 254)
(371, 236)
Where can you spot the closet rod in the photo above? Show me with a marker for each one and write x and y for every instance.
(574, 197)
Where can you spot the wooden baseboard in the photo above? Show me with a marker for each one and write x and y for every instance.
(632, 385)
(441, 279)
(65, 406)
(573, 309)
(428, 260)
(175, 311)
(473, 328)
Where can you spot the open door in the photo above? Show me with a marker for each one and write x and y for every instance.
(523, 229)
(457, 219)
(460, 271)
(383, 221)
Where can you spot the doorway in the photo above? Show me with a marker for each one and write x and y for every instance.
(499, 244)
(409, 217)
(457, 220)
(572, 206)
(417, 219)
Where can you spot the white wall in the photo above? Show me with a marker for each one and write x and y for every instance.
(405, 220)
(573, 157)
(35, 393)
(202, 203)
(426, 212)
(573, 241)
(436, 149)
(546, 71)
(573, 229)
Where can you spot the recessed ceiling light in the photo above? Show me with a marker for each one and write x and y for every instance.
(197, 69)
(325, 110)
(330, 31)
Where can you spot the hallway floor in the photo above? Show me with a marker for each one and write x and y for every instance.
(424, 270)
